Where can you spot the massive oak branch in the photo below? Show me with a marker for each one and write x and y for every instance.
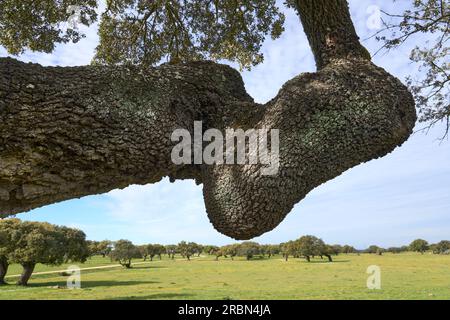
(71, 132)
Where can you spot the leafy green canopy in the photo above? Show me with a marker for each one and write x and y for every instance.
(39, 24)
(146, 32)
(124, 251)
(39, 242)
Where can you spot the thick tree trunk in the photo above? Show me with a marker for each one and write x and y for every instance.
(329, 258)
(330, 31)
(3, 269)
(70, 132)
(126, 264)
(28, 269)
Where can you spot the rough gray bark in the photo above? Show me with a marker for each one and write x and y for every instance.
(3, 269)
(330, 30)
(28, 269)
(70, 132)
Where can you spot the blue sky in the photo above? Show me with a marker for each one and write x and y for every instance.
(390, 201)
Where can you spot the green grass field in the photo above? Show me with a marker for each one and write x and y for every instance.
(404, 276)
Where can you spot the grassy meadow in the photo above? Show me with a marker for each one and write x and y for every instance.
(403, 276)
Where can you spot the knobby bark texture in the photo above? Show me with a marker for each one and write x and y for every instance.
(70, 132)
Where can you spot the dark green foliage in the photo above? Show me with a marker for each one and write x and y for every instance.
(29, 243)
(419, 245)
(124, 251)
(248, 249)
(187, 250)
(230, 250)
(442, 247)
(375, 250)
(348, 249)
(171, 250)
(151, 250)
(146, 32)
(102, 248)
(40, 24)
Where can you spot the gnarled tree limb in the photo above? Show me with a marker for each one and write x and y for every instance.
(70, 132)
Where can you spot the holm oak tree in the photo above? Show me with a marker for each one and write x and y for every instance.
(71, 132)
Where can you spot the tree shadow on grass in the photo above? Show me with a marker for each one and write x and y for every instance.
(156, 296)
(327, 262)
(91, 284)
(147, 267)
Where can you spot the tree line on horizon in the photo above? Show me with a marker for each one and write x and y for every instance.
(29, 243)
(307, 247)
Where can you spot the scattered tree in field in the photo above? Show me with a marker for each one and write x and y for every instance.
(248, 249)
(219, 252)
(160, 250)
(348, 249)
(328, 250)
(230, 250)
(187, 250)
(151, 250)
(289, 249)
(171, 250)
(270, 250)
(143, 252)
(360, 111)
(198, 249)
(102, 248)
(397, 250)
(38, 242)
(441, 247)
(336, 249)
(266, 249)
(310, 246)
(419, 245)
(124, 251)
(210, 249)
(375, 250)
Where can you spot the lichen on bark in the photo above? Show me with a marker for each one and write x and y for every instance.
(70, 132)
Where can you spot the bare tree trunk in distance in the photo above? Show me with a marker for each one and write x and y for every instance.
(28, 269)
(3, 269)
